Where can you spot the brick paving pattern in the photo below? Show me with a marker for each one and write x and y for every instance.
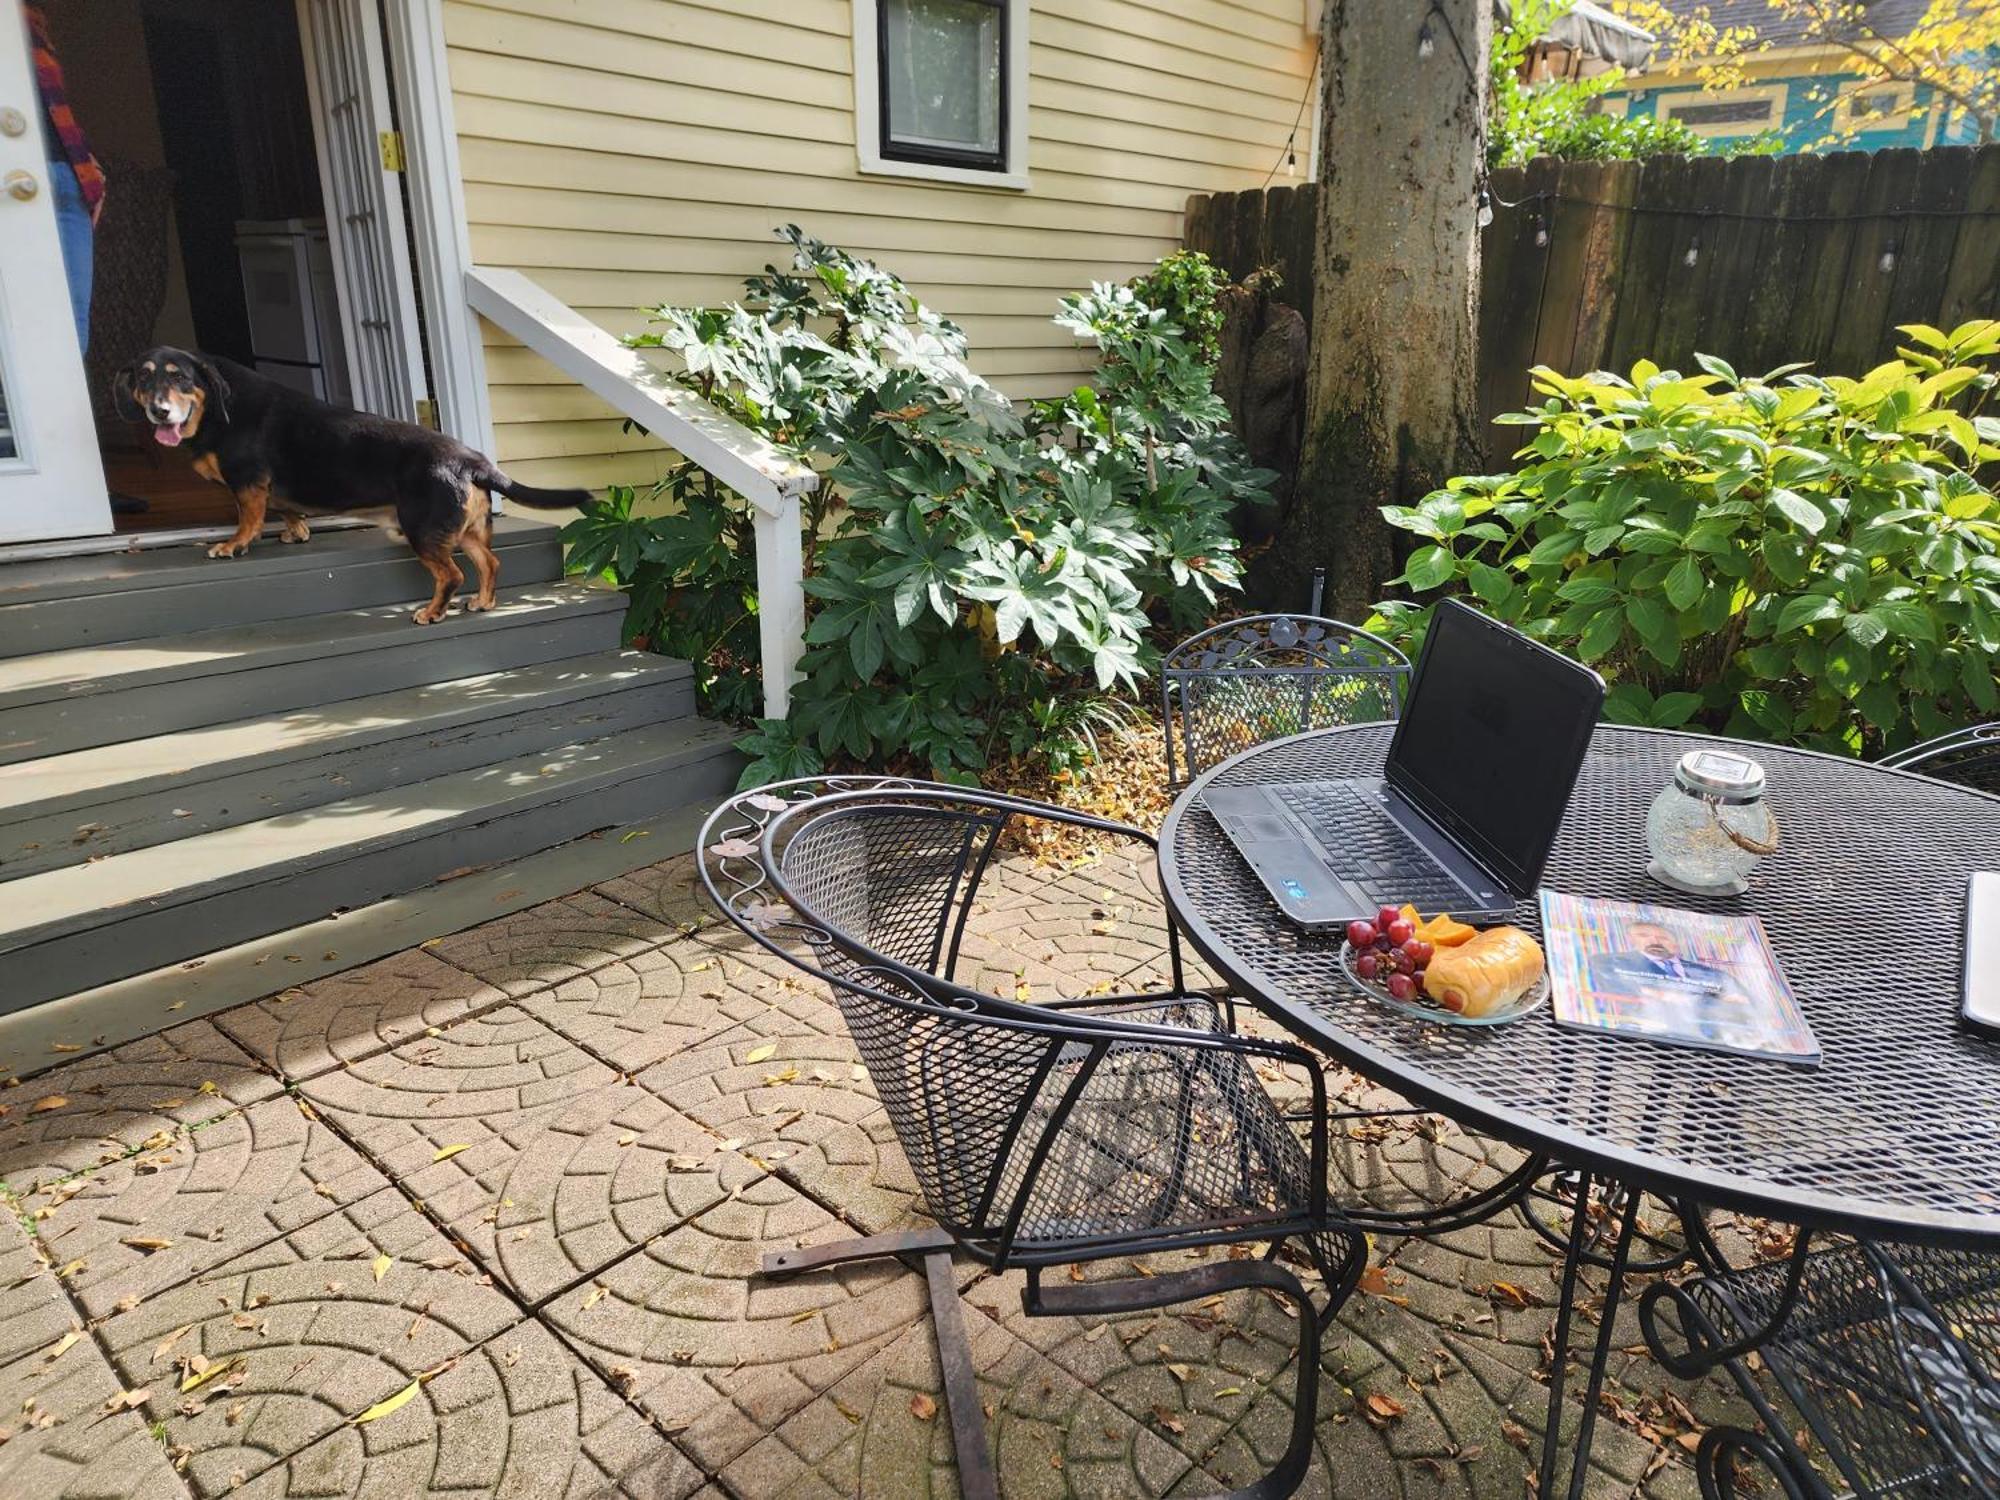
(484, 1219)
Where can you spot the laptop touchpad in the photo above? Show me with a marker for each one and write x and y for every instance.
(1268, 829)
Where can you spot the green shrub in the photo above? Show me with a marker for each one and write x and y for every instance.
(977, 583)
(1807, 559)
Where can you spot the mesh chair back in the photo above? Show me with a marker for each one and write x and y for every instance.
(1241, 683)
(1969, 757)
(1034, 1134)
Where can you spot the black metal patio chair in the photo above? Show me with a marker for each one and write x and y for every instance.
(1040, 1135)
(1260, 678)
(1890, 1353)
(1970, 757)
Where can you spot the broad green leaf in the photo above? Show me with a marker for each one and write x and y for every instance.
(1672, 710)
(1866, 627)
(1807, 609)
(1800, 511)
(1684, 583)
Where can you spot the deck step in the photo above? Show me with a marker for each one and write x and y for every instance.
(57, 604)
(62, 701)
(65, 930)
(66, 809)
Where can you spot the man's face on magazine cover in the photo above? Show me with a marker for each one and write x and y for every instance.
(1654, 941)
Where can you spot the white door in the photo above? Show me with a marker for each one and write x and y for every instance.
(51, 479)
(359, 158)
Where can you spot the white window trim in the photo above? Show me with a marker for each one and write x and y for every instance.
(1776, 93)
(868, 109)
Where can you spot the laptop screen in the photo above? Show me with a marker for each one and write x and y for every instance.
(1491, 739)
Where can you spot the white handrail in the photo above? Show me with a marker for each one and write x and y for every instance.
(763, 473)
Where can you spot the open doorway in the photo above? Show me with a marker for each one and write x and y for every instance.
(214, 233)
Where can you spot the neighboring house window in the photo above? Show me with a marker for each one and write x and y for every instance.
(1737, 112)
(1876, 107)
(940, 89)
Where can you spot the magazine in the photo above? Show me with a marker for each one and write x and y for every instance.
(1682, 977)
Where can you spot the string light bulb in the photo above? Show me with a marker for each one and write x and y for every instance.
(1693, 251)
(1291, 160)
(1887, 263)
(1426, 39)
(1541, 229)
(1485, 214)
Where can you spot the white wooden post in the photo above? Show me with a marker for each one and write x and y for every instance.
(781, 602)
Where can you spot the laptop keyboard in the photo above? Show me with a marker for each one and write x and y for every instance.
(1366, 846)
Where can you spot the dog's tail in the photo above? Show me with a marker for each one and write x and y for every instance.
(533, 496)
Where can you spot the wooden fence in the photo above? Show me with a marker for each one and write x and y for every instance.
(1759, 260)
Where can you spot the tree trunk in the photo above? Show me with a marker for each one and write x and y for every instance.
(1391, 394)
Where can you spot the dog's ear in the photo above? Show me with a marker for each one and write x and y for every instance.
(218, 388)
(122, 400)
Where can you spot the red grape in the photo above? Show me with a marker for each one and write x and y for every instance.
(1403, 963)
(1385, 915)
(1417, 977)
(1361, 934)
(1401, 931)
(1420, 950)
(1402, 987)
(1367, 965)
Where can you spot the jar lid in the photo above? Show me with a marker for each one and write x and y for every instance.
(1721, 775)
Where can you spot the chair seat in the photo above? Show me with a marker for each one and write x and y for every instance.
(1837, 1356)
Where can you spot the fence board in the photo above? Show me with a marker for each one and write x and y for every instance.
(1788, 264)
(1972, 285)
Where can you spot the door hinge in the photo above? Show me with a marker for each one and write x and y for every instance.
(427, 414)
(391, 142)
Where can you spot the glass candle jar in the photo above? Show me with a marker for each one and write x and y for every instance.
(1709, 826)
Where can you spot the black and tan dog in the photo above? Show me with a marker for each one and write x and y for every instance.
(286, 453)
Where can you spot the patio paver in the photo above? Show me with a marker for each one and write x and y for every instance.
(646, 1103)
(115, 1102)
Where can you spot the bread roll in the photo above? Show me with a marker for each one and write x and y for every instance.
(1484, 973)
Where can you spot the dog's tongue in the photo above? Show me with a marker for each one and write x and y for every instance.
(169, 437)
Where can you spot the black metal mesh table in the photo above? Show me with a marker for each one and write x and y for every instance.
(1895, 1134)
(1897, 1131)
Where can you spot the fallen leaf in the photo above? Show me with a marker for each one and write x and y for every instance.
(62, 1345)
(758, 1054)
(147, 1242)
(208, 1087)
(235, 1412)
(598, 1292)
(126, 1400)
(1165, 1417)
(1230, 1390)
(209, 1372)
(44, 1105)
(392, 1404)
(381, 1265)
(160, 1349)
(445, 1153)
(922, 1407)
(65, 1046)
(71, 1268)
(1181, 1373)
(1384, 1408)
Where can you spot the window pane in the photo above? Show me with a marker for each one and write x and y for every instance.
(943, 73)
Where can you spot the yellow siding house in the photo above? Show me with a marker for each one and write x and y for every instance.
(630, 152)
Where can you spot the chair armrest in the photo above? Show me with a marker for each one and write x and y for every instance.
(1148, 1010)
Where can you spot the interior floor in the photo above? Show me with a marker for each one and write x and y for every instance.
(172, 494)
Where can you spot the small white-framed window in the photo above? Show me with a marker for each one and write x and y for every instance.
(1726, 112)
(940, 90)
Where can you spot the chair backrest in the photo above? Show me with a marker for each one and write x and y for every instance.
(1261, 678)
(1969, 757)
(866, 887)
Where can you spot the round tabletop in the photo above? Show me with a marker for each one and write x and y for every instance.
(1896, 1132)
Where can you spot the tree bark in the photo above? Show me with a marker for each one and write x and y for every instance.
(1391, 392)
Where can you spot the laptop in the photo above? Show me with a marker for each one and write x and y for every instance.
(1492, 735)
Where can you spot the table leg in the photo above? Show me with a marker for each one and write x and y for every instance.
(1576, 1255)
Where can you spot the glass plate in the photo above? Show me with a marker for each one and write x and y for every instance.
(1425, 1009)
